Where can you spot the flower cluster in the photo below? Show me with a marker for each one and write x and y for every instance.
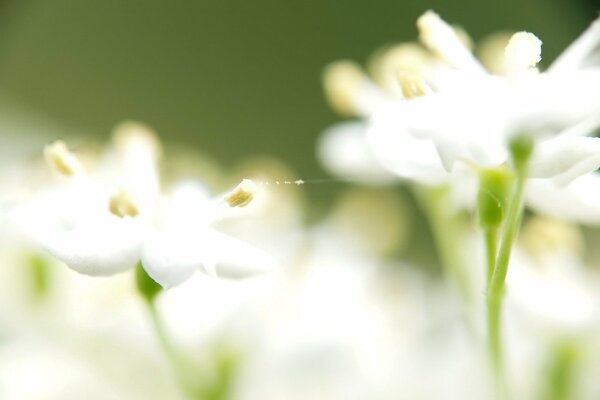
(432, 111)
(105, 221)
(445, 290)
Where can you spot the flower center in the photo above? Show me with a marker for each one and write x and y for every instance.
(412, 85)
(122, 204)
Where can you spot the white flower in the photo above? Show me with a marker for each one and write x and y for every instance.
(349, 150)
(549, 285)
(472, 115)
(444, 114)
(105, 223)
(577, 202)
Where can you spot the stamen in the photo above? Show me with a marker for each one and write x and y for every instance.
(61, 159)
(342, 82)
(523, 51)
(242, 194)
(442, 39)
(412, 85)
(122, 204)
(409, 57)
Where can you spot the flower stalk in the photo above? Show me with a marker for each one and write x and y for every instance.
(521, 149)
(149, 290)
(492, 199)
(446, 228)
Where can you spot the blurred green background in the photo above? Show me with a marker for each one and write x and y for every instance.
(234, 78)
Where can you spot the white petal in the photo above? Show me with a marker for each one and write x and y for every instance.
(170, 258)
(188, 203)
(442, 39)
(583, 128)
(579, 201)
(235, 258)
(97, 249)
(565, 158)
(575, 55)
(138, 150)
(403, 154)
(555, 99)
(344, 151)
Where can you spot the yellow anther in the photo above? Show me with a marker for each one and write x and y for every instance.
(342, 81)
(61, 159)
(122, 204)
(242, 194)
(387, 63)
(412, 85)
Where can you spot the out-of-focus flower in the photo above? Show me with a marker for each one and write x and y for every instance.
(379, 332)
(104, 223)
(473, 114)
(445, 109)
(549, 281)
(552, 302)
(347, 149)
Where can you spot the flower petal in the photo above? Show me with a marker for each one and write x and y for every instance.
(575, 55)
(442, 39)
(343, 150)
(235, 258)
(402, 153)
(579, 201)
(565, 158)
(170, 258)
(99, 249)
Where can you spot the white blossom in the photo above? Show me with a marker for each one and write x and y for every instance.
(448, 114)
(104, 223)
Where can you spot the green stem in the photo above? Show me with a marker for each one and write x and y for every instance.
(177, 361)
(444, 227)
(561, 372)
(496, 283)
(491, 248)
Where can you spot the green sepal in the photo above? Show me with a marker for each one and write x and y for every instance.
(521, 147)
(492, 199)
(147, 286)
